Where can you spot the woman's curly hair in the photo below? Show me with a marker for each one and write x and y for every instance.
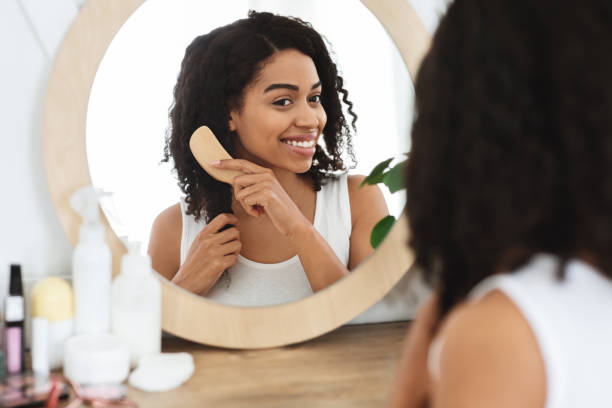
(512, 143)
(216, 69)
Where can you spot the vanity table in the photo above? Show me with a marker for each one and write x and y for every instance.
(353, 366)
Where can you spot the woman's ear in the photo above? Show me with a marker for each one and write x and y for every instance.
(232, 122)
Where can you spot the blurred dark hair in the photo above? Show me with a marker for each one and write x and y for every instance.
(216, 69)
(511, 146)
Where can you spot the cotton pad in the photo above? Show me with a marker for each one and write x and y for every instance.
(206, 149)
(162, 372)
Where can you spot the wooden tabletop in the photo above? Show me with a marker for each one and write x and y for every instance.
(352, 366)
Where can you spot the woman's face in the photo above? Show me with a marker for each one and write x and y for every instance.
(282, 117)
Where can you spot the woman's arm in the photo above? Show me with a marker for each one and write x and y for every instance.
(165, 242)
(321, 264)
(319, 260)
(368, 206)
(212, 251)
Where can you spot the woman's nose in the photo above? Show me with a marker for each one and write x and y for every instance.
(307, 116)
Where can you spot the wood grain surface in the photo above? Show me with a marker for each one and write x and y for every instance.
(351, 367)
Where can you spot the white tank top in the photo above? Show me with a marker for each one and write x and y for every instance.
(249, 283)
(572, 322)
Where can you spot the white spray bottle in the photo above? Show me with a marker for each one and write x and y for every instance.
(136, 305)
(91, 266)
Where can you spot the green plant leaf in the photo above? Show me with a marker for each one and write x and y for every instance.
(380, 230)
(394, 178)
(376, 175)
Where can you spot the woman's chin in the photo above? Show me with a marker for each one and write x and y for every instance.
(297, 168)
(304, 168)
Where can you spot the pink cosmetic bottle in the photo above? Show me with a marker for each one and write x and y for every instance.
(2, 365)
(13, 317)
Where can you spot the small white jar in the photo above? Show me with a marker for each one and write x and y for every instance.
(98, 358)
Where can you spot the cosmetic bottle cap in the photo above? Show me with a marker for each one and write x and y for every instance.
(15, 285)
(85, 202)
(134, 262)
(52, 298)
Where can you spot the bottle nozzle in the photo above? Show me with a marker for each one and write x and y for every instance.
(85, 202)
(134, 261)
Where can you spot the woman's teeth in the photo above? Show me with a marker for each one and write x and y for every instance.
(304, 144)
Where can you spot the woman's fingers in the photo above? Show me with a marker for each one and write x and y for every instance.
(220, 221)
(254, 211)
(254, 203)
(229, 260)
(257, 187)
(256, 199)
(241, 182)
(232, 247)
(244, 166)
(250, 190)
(253, 192)
(230, 234)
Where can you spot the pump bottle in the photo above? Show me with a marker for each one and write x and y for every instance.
(136, 305)
(91, 267)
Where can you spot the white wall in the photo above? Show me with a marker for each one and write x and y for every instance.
(30, 34)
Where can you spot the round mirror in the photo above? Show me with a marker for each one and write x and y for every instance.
(127, 116)
(65, 150)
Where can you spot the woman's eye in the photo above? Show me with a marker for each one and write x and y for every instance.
(315, 98)
(282, 102)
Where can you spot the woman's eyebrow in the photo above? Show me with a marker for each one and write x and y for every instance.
(288, 86)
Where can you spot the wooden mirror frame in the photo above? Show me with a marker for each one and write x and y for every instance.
(185, 314)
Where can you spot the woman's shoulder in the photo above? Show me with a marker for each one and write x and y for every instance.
(170, 217)
(165, 241)
(166, 230)
(365, 199)
(357, 190)
(354, 180)
(489, 356)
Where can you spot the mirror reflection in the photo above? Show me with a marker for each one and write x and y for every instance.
(281, 102)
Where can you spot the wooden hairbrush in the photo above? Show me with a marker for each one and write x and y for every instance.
(206, 148)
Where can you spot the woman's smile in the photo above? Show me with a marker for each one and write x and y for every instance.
(303, 145)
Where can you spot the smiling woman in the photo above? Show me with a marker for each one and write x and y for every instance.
(270, 92)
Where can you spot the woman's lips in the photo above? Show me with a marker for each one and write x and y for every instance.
(302, 137)
(303, 148)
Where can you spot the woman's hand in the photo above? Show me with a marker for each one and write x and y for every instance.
(411, 387)
(259, 192)
(211, 253)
